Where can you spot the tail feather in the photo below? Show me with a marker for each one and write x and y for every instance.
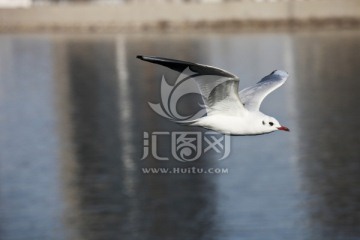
(186, 122)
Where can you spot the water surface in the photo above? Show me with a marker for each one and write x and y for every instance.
(74, 109)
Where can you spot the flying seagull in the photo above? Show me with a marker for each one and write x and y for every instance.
(230, 111)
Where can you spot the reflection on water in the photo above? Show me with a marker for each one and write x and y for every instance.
(72, 115)
(327, 98)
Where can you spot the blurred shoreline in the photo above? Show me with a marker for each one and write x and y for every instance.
(170, 17)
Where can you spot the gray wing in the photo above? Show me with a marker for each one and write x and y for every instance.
(218, 87)
(252, 97)
(224, 99)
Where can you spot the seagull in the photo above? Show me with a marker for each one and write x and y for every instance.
(230, 111)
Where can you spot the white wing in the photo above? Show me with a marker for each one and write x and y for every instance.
(224, 99)
(253, 96)
(218, 87)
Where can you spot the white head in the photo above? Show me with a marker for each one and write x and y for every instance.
(270, 124)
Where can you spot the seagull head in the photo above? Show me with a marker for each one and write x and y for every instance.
(270, 124)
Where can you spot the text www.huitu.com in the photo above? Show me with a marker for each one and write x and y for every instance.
(186, 170)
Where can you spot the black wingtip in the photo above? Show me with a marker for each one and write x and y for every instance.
(140, 57)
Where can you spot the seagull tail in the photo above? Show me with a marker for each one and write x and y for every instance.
(186, 122)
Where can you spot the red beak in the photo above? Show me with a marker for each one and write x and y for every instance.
(283, 128)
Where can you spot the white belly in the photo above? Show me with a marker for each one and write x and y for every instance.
(236, 125)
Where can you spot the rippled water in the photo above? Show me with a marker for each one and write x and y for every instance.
(73, 112)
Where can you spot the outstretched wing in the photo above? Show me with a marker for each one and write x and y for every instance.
(180, 66)
(218, 87)
(252, 97)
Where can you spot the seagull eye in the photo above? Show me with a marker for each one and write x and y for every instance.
(263, 122)
(271, 123)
